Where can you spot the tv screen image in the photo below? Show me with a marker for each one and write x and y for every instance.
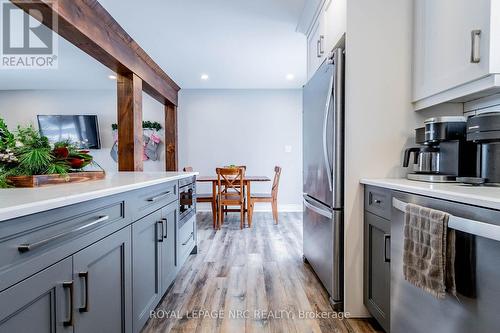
(82, 130)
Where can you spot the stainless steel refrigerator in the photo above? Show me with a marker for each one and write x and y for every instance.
(323, 178)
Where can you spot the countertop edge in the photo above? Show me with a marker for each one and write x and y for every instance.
(16, 211)
(470, 199)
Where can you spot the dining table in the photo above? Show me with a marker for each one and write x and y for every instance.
(247, 180)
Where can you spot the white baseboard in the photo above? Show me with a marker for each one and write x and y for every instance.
(259, 207)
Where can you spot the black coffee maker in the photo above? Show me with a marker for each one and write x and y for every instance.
(444, 153)
(484, 130)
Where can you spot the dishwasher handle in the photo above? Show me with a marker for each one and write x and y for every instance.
(473, 227)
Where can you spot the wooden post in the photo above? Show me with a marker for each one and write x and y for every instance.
(130, 149)
(171, 147)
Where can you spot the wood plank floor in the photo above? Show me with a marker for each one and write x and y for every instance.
(251, 280)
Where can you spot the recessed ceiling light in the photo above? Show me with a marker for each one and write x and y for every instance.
(204, 77)
(112, 77)
(290, 77)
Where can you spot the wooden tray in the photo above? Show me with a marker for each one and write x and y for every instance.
(46, 180)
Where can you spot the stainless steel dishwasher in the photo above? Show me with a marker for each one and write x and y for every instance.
(414, 310)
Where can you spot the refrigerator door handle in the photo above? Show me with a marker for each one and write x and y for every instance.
(325, 131)
(316, 209)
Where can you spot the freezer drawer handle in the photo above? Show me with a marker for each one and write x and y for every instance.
(318, 210)
(472, 227)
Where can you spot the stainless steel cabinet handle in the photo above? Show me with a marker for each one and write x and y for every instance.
(321, 45)
(386, 238)
(32, 246)
(158, 224)
(161, 196)
(85, 277)
(165, 229)
(475, 49)
(318, 53)
(69, 285)
(187, 240)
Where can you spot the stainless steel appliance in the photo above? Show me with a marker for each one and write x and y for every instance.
(477, 272)
(323, 178)
(187, 199)
(443, 154)
(484, 129)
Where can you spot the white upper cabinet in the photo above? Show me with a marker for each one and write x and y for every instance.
(335, 22)
(456, 50)
(324, 24)
(316, 47)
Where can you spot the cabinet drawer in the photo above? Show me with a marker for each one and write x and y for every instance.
(39, 240)
(378, 201)
(146, 201)
(186, 239)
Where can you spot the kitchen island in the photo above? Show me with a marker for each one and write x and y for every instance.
(95, 256)
(474, 214)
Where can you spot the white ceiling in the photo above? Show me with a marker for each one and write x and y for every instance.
(239, 44)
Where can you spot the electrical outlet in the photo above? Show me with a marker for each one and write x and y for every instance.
(288, 149)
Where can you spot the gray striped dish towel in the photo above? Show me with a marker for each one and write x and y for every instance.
(429, 251)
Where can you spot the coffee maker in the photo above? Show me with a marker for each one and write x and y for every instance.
(484, 130)
(444, 153)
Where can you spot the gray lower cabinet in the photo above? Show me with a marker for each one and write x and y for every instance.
(153, 261)
(90, 267)
(377, 269)
(147, 239)
(102, 275)
(41, 303)
(168, 259)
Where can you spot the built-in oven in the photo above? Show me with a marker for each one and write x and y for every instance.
(187, 199)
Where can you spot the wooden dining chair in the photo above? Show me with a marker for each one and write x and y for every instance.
(206, 197)
(225, 209)
(230, 192)
(265, 197)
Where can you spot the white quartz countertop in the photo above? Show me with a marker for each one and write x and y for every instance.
(482, 196)
(18, 202)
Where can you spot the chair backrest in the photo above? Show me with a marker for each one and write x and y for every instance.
(276, 181)
(230, 180)
(188, 169)
(236, 166)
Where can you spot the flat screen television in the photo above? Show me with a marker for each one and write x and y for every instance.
(82, 130)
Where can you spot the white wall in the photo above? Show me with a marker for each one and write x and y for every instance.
(244, 127)
(380, 120)
(22, 107)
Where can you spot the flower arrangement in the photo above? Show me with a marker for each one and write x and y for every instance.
(26, 153)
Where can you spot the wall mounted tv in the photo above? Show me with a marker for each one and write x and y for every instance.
(80, 129)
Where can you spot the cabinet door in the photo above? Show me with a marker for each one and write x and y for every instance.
(102, 275)
(147, 239)
(377, 270)
(335, 22)
(41, 303)
(443, 42)
(168, 258)
(316, 46)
